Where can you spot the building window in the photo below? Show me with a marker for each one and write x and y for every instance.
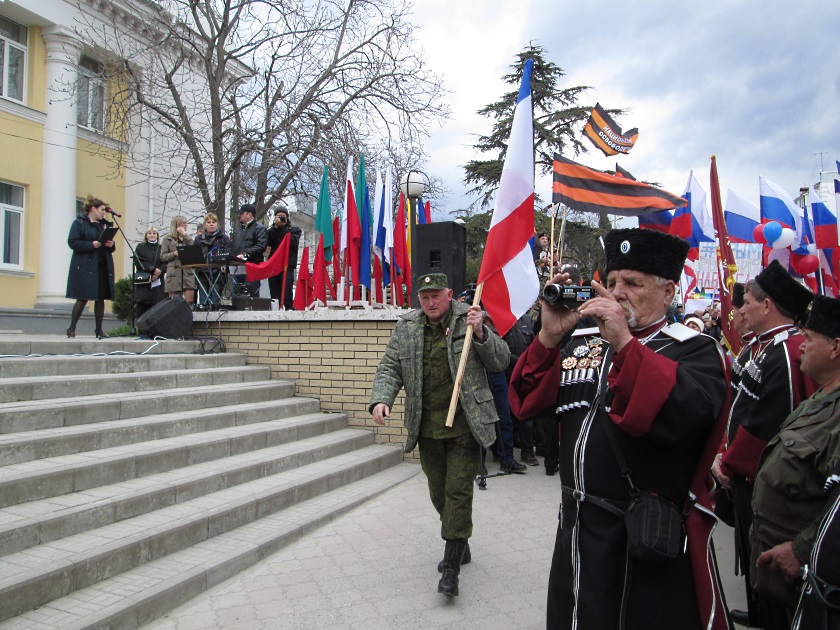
(11, 225)
(90, 89)
(12, 59)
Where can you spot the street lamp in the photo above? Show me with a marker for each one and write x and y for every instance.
(413, 185)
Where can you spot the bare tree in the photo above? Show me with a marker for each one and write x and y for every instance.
(253, 97)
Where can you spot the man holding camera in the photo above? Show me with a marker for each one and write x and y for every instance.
(654, 434)
(276, 233)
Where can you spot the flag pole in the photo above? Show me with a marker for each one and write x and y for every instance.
(551, 242)
(462, 365)
(562, 238)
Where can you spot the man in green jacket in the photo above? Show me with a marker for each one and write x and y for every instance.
(422, 356)
(788, 499)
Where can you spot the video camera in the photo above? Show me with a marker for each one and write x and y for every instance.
(571, 295)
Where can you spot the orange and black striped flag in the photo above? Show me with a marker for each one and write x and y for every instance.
(605, 134)
(587, 190)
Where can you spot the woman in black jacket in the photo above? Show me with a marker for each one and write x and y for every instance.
(147, 258)
(91, 274)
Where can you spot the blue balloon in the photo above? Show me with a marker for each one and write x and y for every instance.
(772, 232)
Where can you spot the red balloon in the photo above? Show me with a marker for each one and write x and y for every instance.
(808, 264)
(758, 234)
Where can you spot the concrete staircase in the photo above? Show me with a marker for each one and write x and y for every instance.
(133, 479)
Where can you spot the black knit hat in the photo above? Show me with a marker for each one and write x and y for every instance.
(647, 251)
(281, 210)
(738, 295)
(825, 316)
(784, 290)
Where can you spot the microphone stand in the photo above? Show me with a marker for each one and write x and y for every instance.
(114, 215)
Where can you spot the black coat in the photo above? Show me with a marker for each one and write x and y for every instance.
(250, 240)
(91, 275)
(276, 236)
(209, 243)
(147, 258)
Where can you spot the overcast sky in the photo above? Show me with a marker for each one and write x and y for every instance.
(755, 83)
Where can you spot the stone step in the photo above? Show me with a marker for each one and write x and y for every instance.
(48, 520)
(45, 345)
(32, 578)
(16, 448)
(46, 387)
(52, 413)
(114, 364)
(65, 474)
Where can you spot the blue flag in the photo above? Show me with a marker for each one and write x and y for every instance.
(364, 255)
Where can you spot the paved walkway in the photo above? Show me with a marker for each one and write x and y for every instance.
(376, 568)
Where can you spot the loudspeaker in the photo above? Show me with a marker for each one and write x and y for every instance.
(440, 248)
(170, 318)
(251, 304)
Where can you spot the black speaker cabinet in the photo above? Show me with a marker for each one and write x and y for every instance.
(171, 318)
(440, 248)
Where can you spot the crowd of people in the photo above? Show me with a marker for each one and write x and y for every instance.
(157, 270)
(656, 432)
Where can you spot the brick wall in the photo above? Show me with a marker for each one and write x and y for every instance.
(331, 356)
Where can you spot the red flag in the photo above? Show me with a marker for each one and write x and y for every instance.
(377, 279)
(303, 290)
(320, 278)
(274, 266)
(401, 259)
(336, 262)
(428, 211)
(354, 234)
(726, 266)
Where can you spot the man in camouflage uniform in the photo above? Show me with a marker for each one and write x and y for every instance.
(422, 356)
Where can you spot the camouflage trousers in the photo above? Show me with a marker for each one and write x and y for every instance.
(451, 466)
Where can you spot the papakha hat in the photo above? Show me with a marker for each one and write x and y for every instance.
(738, 295)
(647, 251)
(432, 281)
(784, 290)
(825, 316)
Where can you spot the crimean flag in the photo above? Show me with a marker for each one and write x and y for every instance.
(511, 284)
(323, 216)
(726, 266)
(659, 221)
(586, 190)
(274, 266)
(303, 290)
(605, 134)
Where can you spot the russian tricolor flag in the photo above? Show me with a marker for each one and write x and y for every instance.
(507, 270)
(777, 205)
(741, 217)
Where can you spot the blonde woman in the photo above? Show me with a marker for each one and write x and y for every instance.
(147, 258)
(178, 281)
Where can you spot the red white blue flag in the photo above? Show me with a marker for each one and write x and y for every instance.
(507, 270)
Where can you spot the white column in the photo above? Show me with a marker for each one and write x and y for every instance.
(58, 181)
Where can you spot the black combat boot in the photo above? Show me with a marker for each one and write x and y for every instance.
(452, 556)
(465, 560)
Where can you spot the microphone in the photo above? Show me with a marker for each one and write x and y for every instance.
(116, 214)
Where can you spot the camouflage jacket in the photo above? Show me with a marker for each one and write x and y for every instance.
(402, 366)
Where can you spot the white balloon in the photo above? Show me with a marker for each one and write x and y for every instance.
(785, 240)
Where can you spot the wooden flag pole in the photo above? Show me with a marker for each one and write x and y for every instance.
(462, 365)
(551, 244)
(562, 243)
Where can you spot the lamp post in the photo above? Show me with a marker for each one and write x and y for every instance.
(412, 185)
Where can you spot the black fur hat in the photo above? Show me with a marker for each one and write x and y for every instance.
(825, 316)
(647, 251)
(738, 295)
(784, 290)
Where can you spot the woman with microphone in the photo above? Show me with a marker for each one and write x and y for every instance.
(91, 274)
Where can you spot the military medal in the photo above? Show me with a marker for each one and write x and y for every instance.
(580, 351)
(583, 363)
(595, 362)
(595, 351)
(569, 363)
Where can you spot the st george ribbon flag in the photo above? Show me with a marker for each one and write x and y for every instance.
(507, 270)
(605, 134)
(587, 190)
